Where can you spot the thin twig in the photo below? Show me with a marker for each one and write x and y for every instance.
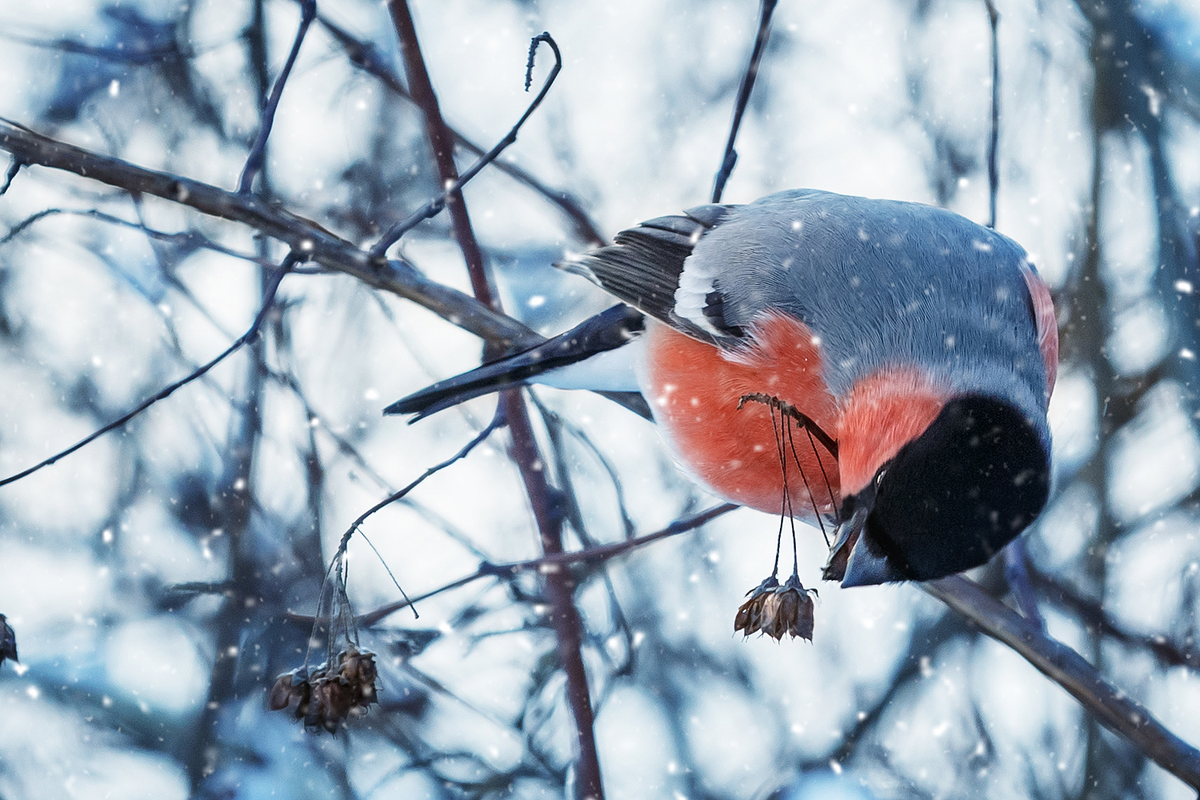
(254, 161)
(1112, 707)
(182, 239)
(497, 421)
(121, 55)
(766, 9)
(551, 562)
(364, 55)
(994, 134)
(435, 206)
(268, 302)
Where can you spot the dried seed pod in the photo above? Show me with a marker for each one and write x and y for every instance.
(292, 692)
(777, 611)
(749, 617)
(328, 696)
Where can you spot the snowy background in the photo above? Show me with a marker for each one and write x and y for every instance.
(149, 576)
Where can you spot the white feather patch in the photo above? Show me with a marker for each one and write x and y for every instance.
(696, 282)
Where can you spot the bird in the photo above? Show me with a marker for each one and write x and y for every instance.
(885, 365)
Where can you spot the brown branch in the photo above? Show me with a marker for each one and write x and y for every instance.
(442, 143)
(1112, 707)
(560, 586)
(303, 235)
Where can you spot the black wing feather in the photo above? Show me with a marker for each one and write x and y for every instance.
(643, 266)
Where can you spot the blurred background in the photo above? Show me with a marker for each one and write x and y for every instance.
(150, 576)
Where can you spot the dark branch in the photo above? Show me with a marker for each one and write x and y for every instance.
(497, 421)
(254, 161)
(302, 235)
(994, 134)
(1112, 707)
(365, 55)
(551, 562)
(186, 240)
(730, 159)
(568, 627)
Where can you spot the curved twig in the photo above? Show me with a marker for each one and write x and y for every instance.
(258, 151)
(435, 206)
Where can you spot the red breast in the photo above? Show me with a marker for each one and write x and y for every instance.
(694, 389)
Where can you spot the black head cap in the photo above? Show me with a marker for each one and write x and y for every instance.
(950, 499)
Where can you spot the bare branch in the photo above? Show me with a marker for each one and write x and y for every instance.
(497, 421)
(1112, 707)
(435, 206)
(994, 133)
(442, 145)
(254, 161)
(551, 562)
(546, 509)
(365, 55)
(303, 235)
(766, 9)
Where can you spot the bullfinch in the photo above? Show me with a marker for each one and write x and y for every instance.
(884, 365)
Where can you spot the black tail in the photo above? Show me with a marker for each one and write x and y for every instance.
(605, 331)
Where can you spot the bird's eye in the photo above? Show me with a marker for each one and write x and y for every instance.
(879, 478)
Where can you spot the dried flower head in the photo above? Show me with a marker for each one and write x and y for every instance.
(291, 691)
(777, 610)
(327, 697)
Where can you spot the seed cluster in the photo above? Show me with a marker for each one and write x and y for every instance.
(777, 610)
(325, 698)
